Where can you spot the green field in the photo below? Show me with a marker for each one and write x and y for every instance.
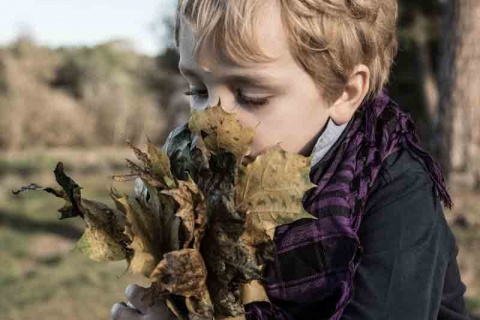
(43, 277)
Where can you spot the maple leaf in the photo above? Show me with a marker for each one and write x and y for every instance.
(271, 188)
(221, 131)
(183, 272)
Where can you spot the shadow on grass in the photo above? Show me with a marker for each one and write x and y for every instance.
(27, 225)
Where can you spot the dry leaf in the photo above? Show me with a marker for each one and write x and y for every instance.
(99, 246)
(229, 262)
(156, 167)
(192, 210)
(139, 229)
(221, 131)
(160, 164)
(184, 273)
(271, 188)
(103, 238)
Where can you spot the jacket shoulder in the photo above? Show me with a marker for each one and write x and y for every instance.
(403, 205)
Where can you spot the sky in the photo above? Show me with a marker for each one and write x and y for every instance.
(85, 22)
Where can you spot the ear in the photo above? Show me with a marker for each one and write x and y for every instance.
(342, 110)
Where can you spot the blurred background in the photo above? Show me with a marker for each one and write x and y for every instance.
(77, 78)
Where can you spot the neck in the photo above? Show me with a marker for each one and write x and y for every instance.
(308, 148)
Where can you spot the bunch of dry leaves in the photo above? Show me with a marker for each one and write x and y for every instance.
(200, 225)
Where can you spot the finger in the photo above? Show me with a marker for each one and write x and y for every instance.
(120, 311)
(135, 294)
(130, 305)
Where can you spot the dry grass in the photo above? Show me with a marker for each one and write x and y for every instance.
(77, 97)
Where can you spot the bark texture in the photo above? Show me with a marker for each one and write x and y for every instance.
(458, 121)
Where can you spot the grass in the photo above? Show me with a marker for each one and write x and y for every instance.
(464, 220)
(83, 161)
(42, 276)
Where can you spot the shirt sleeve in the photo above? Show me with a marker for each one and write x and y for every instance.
(409, 255)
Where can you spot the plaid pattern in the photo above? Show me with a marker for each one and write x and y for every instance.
(316, 259)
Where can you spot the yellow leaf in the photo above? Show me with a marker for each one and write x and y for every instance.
(160, 164)
(143, 261)
(221, 130)
(103, 238)
(100, 216)
(271, 188)
(99, 246)
(139, 229)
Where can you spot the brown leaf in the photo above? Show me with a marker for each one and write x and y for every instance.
(184, 273)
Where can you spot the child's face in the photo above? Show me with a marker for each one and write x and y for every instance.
(290, 109)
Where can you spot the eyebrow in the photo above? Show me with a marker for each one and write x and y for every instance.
(257, 80)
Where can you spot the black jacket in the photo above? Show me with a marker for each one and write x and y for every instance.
(409, 268)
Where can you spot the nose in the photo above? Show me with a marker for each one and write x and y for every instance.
(214, 99)
(222, 96)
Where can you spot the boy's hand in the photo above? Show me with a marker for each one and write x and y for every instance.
(136, 309)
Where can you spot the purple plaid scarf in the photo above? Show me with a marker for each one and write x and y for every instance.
(316, 259)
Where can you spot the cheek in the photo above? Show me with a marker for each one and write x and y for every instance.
(263, 135)
(292, 124)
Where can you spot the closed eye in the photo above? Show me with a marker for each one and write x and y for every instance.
(242, 99)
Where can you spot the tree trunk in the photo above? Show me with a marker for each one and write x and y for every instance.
(459, 111)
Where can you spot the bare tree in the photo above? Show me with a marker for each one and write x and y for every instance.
(458, 119)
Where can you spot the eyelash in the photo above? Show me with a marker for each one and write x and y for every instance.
(255, 102)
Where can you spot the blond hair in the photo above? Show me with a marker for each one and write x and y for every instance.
(328, 38)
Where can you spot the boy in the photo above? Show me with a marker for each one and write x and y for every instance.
(309, 74)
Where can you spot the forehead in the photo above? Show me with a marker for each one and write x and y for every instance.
(269, 34)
